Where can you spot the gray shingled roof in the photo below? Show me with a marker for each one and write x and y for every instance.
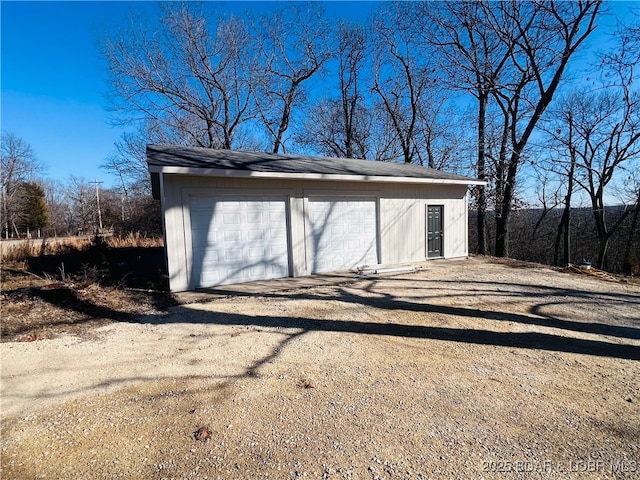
(206, 158)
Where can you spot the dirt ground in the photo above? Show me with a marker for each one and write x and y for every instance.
(467, 369)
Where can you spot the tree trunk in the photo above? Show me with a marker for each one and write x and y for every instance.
(599, 212)
(603, 245)
(502, 222)
(567, 238)
(563, 227)
(565, 221)
(481, 248)
(502, 235)
(556, 244)
(630, 262)
(284, 119)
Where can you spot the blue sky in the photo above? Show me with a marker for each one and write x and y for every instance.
(53, 81)
(53, 78)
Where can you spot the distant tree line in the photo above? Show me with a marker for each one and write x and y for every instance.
(34, 207)
(534, 238)
(510, 92)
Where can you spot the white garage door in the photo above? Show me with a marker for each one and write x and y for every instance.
(342, 233)
(238, 240)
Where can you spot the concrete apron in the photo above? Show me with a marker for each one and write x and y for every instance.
(294, 283)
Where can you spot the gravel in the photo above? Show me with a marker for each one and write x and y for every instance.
(465, 369)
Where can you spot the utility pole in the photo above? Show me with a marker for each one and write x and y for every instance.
(123, 195)
(96, 183)
(6, 211)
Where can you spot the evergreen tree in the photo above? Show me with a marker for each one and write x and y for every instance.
(34, 210)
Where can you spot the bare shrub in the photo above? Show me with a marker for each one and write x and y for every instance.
(17, 253)
(35, 248)
(134, 239)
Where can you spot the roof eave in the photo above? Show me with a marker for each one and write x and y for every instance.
(217, 172)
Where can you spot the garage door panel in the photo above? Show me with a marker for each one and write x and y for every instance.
(211, 278)
(231, 236)
(228, 205)
(278, 250)
(337, 245)
(232, 254)
(257, 253)
(237, 241)
(337, 229)
(231, 219)
(354, 229)
(255, 235)
(200, 220)
(342, 233)
(255, 218)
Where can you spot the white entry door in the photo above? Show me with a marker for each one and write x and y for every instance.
(342, 234)
(237, 240)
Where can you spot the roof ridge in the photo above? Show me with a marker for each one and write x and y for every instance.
(250, 161)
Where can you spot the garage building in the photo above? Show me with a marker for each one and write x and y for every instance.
(232, 217)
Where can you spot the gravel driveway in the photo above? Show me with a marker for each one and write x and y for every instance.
(465, 369)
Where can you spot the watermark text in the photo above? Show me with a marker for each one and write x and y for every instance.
(573, 466)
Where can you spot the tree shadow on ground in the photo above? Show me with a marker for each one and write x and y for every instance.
(537, 317)
(480, 336)
(533, 340)
(76, 309)
(135, 267)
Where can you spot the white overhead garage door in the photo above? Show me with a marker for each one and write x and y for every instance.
(342, 233)
(238, 240)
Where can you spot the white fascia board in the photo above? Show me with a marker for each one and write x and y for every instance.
(216, 172)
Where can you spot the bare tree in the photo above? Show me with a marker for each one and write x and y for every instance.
(294, 44)
(512, 54)
(323, 131)
(560, 160)
(340, 127)
(384, 141)
(187, 78)
(547, 194)
(473, 58)
(82, 213)
(440, 137)
(56, 207)
(400, 73)
(18, 166)
(542, 38)
(352, 55)
(607, 144)
(597, 134)
(631, 260)
(129, 163)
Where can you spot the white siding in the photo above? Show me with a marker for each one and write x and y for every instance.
(298, 238)
(402, 230)
(401, 234)
(403, 221)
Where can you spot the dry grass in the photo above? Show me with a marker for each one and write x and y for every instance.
(53, 246)
(134, 240)
(53, 286)
(39, 247)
